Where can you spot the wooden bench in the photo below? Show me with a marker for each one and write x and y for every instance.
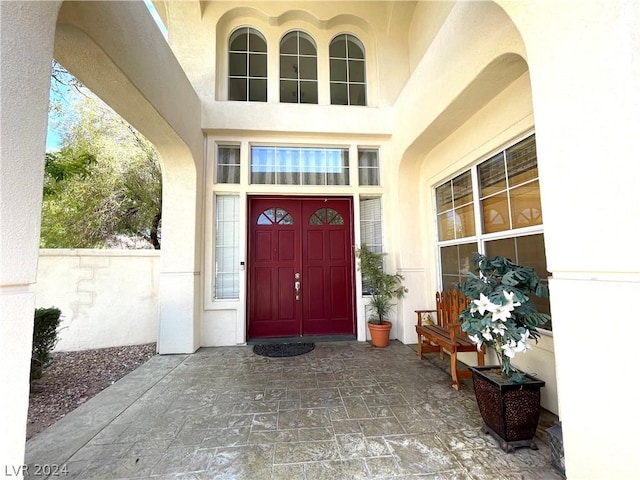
(443, 333)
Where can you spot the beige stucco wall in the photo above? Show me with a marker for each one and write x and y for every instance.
(108, 298)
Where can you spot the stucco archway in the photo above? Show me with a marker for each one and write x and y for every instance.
(167, 113)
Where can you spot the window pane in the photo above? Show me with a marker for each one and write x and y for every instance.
(357, 94)
(289, 91)
(306, 44)
(258, 65)
(446, 226)
(338, 47)
(356, 71)
(238, 89)
(237, 64)
(368, 168)
(492, 176)
(238, 40)
(308, 68)
(339, 94)
(522, 162)
(462, 189)
(258, 90)
(289, 43)
(528, 250)
(526, 209)
(355, 47)
(308, 92)
(444, 198)
(288, 67)
(456, 263)
(338, 70)
(228, 161)
(495, 213)
(256, 42)
(465, 222)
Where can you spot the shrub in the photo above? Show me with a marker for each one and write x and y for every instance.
(45, 337)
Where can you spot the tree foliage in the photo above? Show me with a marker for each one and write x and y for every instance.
(103, 188)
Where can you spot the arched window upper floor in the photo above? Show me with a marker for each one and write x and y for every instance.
(347, 71)
(313, 66)
(247, 65)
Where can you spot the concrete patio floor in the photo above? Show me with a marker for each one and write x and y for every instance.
(345, 410)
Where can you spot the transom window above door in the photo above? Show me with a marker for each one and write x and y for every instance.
(273, 165)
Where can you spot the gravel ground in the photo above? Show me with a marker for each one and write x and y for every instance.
(75, 377)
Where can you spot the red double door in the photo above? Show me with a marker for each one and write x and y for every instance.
(301, 267)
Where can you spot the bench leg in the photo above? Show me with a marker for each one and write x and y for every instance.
(420, 347)
(481, 358)
(454, 370)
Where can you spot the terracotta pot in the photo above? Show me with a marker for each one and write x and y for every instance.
(510, 411)
(380, 333)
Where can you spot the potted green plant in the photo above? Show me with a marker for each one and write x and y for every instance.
(503, 318)
(383, 288)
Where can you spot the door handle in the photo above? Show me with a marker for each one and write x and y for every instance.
(297, 287)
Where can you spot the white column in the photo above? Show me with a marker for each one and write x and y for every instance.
(27, 35)
(584, 59)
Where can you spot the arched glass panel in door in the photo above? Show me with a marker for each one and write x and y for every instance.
(277, 216)
(326, 216)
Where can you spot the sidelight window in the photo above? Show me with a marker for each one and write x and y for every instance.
(227, 250)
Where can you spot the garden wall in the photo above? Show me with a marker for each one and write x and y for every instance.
(108, 298)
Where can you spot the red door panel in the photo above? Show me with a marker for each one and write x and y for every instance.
(306, 241)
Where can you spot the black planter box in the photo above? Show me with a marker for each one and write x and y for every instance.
(510, 411)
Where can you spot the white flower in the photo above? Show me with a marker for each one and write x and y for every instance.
(484, 304)
(486, 333)
(510, 349)
(509, 297)
(523, 344)
(501, 312)
(476, 340)
(522, 347)
(499, 328)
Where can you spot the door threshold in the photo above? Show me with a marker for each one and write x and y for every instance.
(303, 339)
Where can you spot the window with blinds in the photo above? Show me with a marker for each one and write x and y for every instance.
(272, 165)
(227, 247)
(370, 229)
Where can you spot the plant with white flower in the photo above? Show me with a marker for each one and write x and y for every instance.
(501, 315)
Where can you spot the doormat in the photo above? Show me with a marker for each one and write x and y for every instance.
(283, 349)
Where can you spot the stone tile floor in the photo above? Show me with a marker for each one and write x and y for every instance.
(343, 411)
